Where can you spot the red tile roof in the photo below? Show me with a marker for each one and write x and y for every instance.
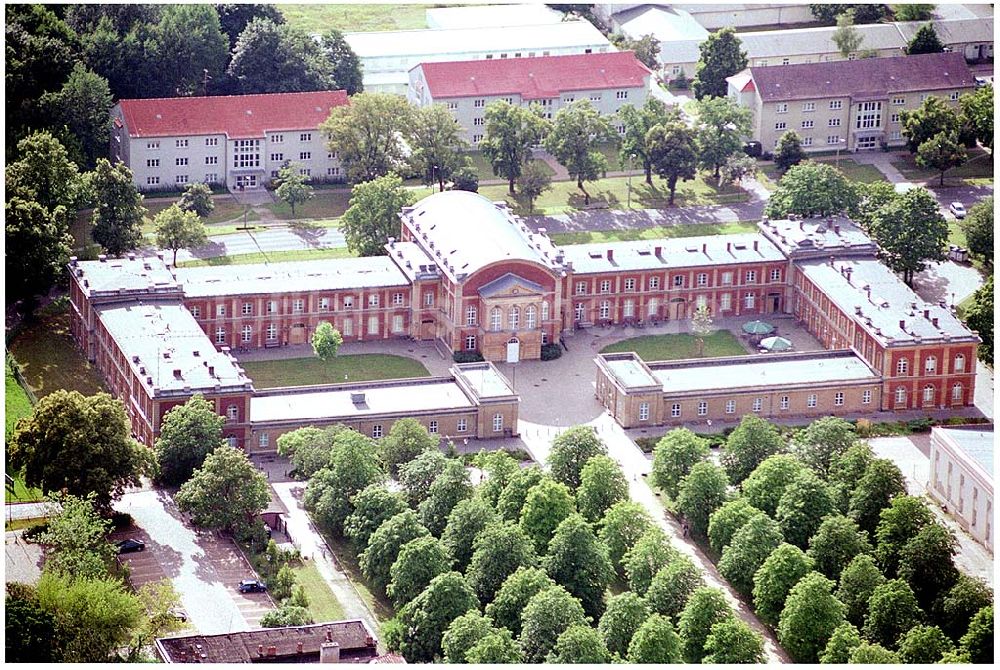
(865, 79)
(232, 115)
(534, 78)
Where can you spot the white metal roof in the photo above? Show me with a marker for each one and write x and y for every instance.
(817, 236)
(487, 16)
(976, 442)
(667, 24)
(123, 274)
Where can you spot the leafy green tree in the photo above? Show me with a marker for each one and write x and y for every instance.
(197, 198)
(646, 48)
(638, 121)
(188, 433)
(286, 615)
(512, 498)
(811, 189)
(979, 317)
(30, 630)
(705, 608)
(623, 524)
(673, 153)
(513, 596)
(495, 648)
(843, 642)
(426, 618)
(932, 117)
(655, 642)
(449, 488)
(810, 616)
(977, 109)
(579, 644)
(924, 644)
(576, 131)
(308, 449)
(703, 491)
(227, 492)
(437, 144)
(233, 18)
(43, 173)
(178, 229)
(371, 136)
(881, 482)
(497, 553)
(872, 654)
(406, 440)
(463, 633)
(579, 562)
(466, 178)
(847, 470)
(499, 468)
(76, 539)
(729, 518)
(373, 506)
(847, 38)
(353, 466)
(417, 476)
(346, 66)
(602, 484)
(836, 542)
(764, 486)
(925, 41)
(737, 167)
(548, 503)
(293, 185)
(672, 586)
(721, 56)
(977, 644)
(625, 614)
(82, 107)
(533, 181)
(548, 615)
(749, 548)
(722, 125)
(748, 445)
(941, 152)
(960, 604)
(822, 441)
(273, 58)
(899, 523)
(788, 152)
(858, 582)
(467, 519)
(37, 250)
(283, 582)
(511, 131)
(913, 12)
(188, 47)
(927, 563)
(701, 326)
(774, 579)
(650, 553)
(868, 199)
(673, 457)
(373, 215)
(863, 13)
(419, 561)
(978, 229)
(570, 452)
(384, 545)
(892, 610)
(80, 445)
(732, 641)
(118, 210)
(95, 617)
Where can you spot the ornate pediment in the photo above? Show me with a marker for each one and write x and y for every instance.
(510, 285)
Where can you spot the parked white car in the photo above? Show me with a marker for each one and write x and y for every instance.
(958, 209)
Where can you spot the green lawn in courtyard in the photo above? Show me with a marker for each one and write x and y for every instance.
(271, 257)
(325, 204)
(978, 170)
(347, 368)
(853, 171)
(483, 168)
(653, 233)
(358, 17)
(678, 345)
(323, 604)
(16, 402)
(50, 359)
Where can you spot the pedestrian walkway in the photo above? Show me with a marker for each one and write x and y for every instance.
(36, 510)
(882, 162)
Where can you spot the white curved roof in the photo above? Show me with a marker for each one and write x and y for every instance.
(463, 232)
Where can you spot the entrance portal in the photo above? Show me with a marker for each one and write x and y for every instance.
(513, 350)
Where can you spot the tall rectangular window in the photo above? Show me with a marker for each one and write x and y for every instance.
(377, 431)
(675, 410)
(730, 407)
(784, 402)
(811, 400)
(643, 411)
(497, 422)
(702, 408)
(866, 397)
(838, 398)
(758, 404)
(462, 425)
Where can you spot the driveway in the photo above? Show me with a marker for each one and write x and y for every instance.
(203, 568)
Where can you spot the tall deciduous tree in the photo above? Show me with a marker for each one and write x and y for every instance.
(924, 644)
(293, 185)
(749, 548)
(748, 445)
(534, 180)
(702, 492)
(345, 63)
(188, 434)
(495, 648)
(673, 585)
(30, 630)
(371, 135)
(673, 153)
(547, 504)
(925, 41)
(227, 492)
(43, 173)
(913, 12)
(977, 108)
(836, 542)
(622, 526)
(177, 229)
(37, 249)
(353, 466)
(373, 506)
(79, 444)
(942, 152)
(467, 520)
(722, 125)
(579, 562)
(655, 642)
(637, 122)
(449, 488)
(806, 500)
(463, 633)
(674, 456)
(234, 17)
(499, 469)
(419, 561)
(82, 107)
(927, 563)
(426, 618)
(510, 133)
(406, 440)
(118, 210)
(546, 616)
(898, 523)
(326, 341)
(846, 36)
(579, 644)
(701, 326)
(732, 641)
(810, 616)
(437, 144)
(977, 644)
(772, 582)
(789, 151)
(577, 131)
(570, 452)
(892, 610)
(978, 228)
(625, 614)
(960, 604)
(721, 56)
(272, 58)
(845, 639)
(822, 441)
(811, 189)
(932, 117)
(373, 215)
(881, 482)
(729, 518)
(650, 554)
(602, 484)
(497, 553)
(737, 167)
(979, 317)
(515, 593)
(189, 47)
(384, 544)
(705, 608)
(417, 476)
(767, 483)
(197, 198)
(76, 539)
(308, 449)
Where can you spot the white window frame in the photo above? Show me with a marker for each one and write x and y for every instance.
(498, 422)
(644, 411)
(811, 400)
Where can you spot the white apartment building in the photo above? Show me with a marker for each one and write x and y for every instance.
(607, 80)
(387, 57)
(851, 105)
(236, 141)
(961, 477)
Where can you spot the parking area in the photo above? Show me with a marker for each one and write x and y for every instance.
(204, 568)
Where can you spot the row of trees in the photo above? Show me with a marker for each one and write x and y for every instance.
(821, 537)
(516, 568)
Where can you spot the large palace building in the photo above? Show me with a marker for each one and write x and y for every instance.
(469, 274)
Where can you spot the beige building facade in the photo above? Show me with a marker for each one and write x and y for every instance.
(961, 477)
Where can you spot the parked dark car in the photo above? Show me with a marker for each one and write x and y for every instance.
(131, 545)
(252, 586)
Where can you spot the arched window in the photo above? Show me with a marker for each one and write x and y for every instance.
(956, 391)
(901, 395)
(959, 363)
(545, 311)
(529, 317)
(929, 394)
(930, 364)
(902, 366)
(495, 319)
(514, 317)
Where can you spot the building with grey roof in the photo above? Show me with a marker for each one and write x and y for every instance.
(961, 477)
(971, 37)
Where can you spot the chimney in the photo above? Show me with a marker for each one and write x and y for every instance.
(902, 325)
(102, 258)
(927, 314)
(260, 650)
(729, 247)
(298, 647)
(658, 251)
(704, 248)
(611, 254)
(131, 255)
(836, 228)
(755, 245)
(329, 636)
(831, 261)
(934, 322)
(211, 370)
(329, 652)
(177, 373)
(847, 273)
(72, 261)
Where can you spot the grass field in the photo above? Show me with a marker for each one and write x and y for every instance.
(16, 402)
(323, 605)
(50, 359)
(272, 257)
(485, 171)
(679, 345)
(325, 204)
(348, 368)
(978, 170)
(348, 562)
(852, 170)
(653, 233)
(355, 17)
